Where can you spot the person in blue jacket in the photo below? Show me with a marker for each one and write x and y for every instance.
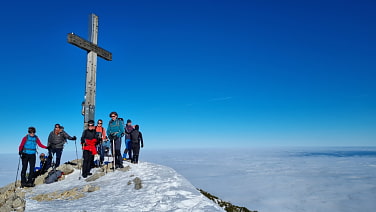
(27, 151)
(115, 131)
(41, 169)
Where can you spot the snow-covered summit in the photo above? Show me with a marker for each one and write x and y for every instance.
(142, 187)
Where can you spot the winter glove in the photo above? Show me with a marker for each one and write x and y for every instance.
(20, 153)
(74, 138)
(142, 145)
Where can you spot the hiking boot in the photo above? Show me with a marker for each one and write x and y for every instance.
(29, 185)
(23, 185)
(90, 174)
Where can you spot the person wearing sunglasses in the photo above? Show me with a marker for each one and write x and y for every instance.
(89, 139)
(115, 131)
(56, 141)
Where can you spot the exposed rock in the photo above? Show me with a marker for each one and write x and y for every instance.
(225, 205)
(137, 183)
(95, 176)
(12, 199)
(125, 169)
(18, 202)
(90, 188)
(66, 168)
(40, 179)
(71, 194)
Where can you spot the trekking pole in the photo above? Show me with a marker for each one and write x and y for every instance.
(18, 168)
(78, 164)
(113, 154)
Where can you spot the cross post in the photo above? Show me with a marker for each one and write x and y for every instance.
(93, 50)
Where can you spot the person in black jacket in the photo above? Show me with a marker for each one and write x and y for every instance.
(136, 138)
(89, 139)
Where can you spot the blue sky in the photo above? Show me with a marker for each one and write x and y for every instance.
(196, 73)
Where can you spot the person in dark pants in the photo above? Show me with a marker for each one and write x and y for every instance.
(136, 138)
(101, 131)
(115, 131)
(56, 141)
(27, 151)
(128, 143)
(42, 166)
(89, 140)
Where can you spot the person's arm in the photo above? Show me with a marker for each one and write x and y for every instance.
(49, 140)
(83, 137)
(142, 140)
(23, 141)
(108, 130)
(66, 136)
(121, 125)
(104, 135)
(40, 144)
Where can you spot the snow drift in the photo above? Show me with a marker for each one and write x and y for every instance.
(137, 187)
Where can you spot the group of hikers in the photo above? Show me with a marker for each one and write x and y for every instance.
(96, 144)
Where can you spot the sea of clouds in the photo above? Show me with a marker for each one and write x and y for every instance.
(267, 179)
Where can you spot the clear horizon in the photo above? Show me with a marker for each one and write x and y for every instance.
(287, 179)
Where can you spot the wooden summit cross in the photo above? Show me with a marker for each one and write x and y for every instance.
(93, 50)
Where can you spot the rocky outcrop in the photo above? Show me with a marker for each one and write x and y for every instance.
(71, 194)
(12, 199)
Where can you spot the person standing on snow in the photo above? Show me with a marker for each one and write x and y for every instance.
(128, 143)
(27, 151)
(115, 131)
(89, 140)
(136, 138)
(102, 137)
(56, 141)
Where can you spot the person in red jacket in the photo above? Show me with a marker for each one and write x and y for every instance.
(27, 151)
(89, 141)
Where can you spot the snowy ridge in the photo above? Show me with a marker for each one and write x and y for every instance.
(163, 189)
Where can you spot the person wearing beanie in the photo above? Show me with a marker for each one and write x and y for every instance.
(136, 138)
(128, 144)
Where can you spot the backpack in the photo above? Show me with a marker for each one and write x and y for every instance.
(53, 176)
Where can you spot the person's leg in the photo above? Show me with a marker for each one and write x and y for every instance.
(59, 152)
(119, 158)
(85, 163)
(25, 161)
(31, 176)
(101, 153)
(49, 160)
(125, 150)
(130, 151)
(137, 151)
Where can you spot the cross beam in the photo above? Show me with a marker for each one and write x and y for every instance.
(93, 50)
(89, 46)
